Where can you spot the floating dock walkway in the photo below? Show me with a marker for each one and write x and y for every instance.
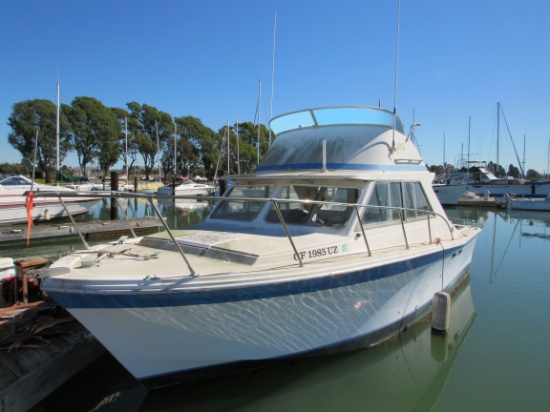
(46, 232)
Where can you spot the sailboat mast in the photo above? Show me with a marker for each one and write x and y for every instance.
(522, 171)
(158, 146)
(228, 136)
(126, 148)
(57, 138)
(498, 138)
(444, 163)
(175, 151)
(469, 128)
(238, 149)
(259, 104)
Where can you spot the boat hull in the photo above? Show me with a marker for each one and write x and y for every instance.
(187, 334)
(449, 195)
(527, 189)
(537, 205)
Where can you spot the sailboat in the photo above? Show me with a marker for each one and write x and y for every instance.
(509, 186)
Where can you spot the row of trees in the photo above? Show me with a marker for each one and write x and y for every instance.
(108, 135)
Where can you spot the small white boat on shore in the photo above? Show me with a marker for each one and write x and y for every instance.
(336, 241)
(13, 194)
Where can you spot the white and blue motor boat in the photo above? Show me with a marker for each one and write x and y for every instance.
(337, 241)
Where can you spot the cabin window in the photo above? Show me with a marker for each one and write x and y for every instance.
(296, 210)
(386, 197)
(242, 210)
(414, 198)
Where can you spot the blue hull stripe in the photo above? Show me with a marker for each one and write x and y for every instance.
(340, 166)
(185, 298)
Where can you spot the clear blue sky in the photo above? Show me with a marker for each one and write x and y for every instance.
(204, 58)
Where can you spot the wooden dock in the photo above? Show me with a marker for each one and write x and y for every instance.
(41, 347)
(46, 232)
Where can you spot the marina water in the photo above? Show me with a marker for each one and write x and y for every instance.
(494, 358)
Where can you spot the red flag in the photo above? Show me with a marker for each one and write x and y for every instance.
(29, 203)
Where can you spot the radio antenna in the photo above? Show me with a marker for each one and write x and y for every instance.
(396, 74)
(272, 74)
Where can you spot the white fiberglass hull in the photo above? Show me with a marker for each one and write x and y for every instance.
(187, 330)
(530, 204)
(527, 189)
(449, 194)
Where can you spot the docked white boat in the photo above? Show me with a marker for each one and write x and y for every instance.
(187, 188)
(13, 192)
(106, 187)
(449, 194)
(479, 179)
(529, 203)
(513, 187)
(337, 241)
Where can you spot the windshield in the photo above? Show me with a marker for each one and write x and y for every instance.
(242, 210)
(301, 212)
(15, 181)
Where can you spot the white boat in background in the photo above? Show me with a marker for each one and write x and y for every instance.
(13, 194)
(187, 188)
(336, 241)
(83, 187)
(512, 186)
(106, 187)
(449, 194)
(529, 203)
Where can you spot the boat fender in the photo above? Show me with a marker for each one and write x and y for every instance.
(441, 311)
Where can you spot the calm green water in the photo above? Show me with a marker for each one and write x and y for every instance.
(494, 358)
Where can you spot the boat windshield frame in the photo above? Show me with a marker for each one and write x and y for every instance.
(336, 115)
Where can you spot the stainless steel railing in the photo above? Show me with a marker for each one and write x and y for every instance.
(276, 202)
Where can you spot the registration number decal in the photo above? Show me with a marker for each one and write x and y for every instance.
(320, 252)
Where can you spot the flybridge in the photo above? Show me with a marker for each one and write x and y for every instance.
(328, 116)
(348, 138)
